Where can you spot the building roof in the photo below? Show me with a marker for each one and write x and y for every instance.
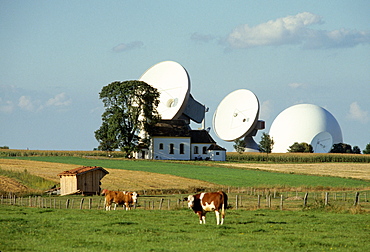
(82, 170)
(171, 128)
(201, 136)
(216, 147)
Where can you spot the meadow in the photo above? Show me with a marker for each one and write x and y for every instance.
(35, 229)
(214, 173)
(48, 225)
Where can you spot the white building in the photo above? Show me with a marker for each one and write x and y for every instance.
(174, 140)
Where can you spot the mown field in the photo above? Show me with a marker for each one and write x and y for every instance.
(32, 229)
(49, 226)
(215, 173)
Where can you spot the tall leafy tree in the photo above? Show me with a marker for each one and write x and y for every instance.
(367, 149)
(239, 146)
(130, 108)
(266, 144)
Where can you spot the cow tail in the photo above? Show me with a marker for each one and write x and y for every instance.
(224, 203)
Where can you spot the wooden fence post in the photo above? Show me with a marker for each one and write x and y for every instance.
(259, 201)
(305, 200)
(67, 203)
(160, 204)
(90, 203)
(281, 202)
(326, 198)
(236, 202)
(357, 197)
(82, 202)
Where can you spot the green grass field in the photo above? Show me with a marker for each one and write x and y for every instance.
(219, 175)
(34, 229)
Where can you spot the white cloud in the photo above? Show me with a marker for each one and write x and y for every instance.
(6, 106)
(59, 100)
(357, 114)
(26, 103)
(294, 30)
(296, 85)
(266, 110)
(128, 46)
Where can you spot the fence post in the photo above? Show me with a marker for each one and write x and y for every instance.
(281, 202)
(326, 198)
(67, 203)
(259, 201)
(90, 203)
(305, 200)
(82, 202)
(160, 204)
(356, 202)
(236, 202)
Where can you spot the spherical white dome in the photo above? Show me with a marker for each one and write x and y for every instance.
(305, 123)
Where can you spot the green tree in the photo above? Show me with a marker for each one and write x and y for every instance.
(301, 147)
(239, 145)
(367, 149)
(356, 150)
(266, 144)
(341, 148)
(130, 108)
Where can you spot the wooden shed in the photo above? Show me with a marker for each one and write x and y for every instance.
(85, 180)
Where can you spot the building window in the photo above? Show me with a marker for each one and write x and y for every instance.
(196, 151)
(172, 147)
(161, 146)
(217, 153)
(204, 149)
(182, 151)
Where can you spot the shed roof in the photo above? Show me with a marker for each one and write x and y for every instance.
(82, 170)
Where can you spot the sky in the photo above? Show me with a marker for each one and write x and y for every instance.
(56, 56)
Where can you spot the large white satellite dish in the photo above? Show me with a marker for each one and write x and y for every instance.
(173, 83)
(237, 117)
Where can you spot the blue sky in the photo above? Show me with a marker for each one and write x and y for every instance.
(57, 55)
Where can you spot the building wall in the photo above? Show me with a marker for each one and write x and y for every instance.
(217, 155)
(199, 151)
(171, 148)
(68, 184)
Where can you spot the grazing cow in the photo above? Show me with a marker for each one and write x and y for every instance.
(130, 199)
(207, 202)
(119, 198)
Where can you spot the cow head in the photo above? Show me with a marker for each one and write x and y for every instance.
(134, 196)
(104, 192)
(190, 200)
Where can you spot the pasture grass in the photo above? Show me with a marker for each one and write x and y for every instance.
(30, 181)
(33, 229)
(226, 176)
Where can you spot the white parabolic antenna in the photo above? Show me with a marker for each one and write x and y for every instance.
(305, 123)
(237, 116)
(173, 83)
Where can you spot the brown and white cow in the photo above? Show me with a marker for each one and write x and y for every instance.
(207, 202)
(119, 198)
(130, 199)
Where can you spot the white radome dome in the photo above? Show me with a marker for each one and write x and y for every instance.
(305, 123)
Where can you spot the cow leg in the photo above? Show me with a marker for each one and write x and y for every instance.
(217, 213)
(204, 219)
